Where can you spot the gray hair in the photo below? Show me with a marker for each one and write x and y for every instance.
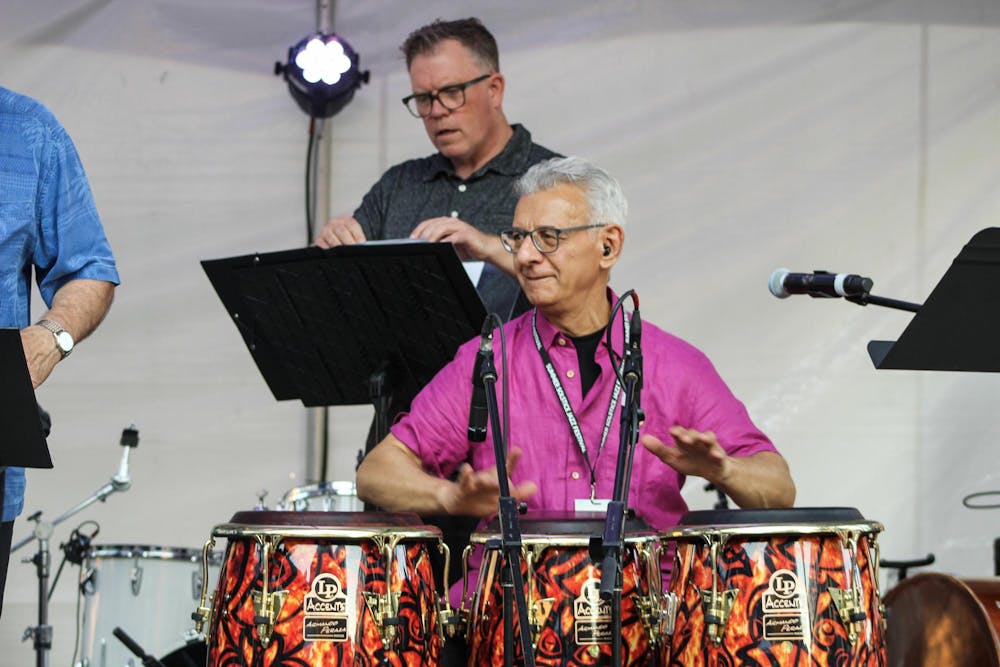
(605, 197)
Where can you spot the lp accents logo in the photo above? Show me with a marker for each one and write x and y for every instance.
(784, 608)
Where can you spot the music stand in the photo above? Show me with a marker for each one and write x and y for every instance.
(22, 442)
(958, 327)
(320, 323)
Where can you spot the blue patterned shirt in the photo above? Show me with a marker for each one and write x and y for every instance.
(48, 225)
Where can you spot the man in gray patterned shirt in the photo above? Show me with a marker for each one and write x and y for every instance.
(463, 193)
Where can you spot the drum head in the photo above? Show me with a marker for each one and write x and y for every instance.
(935, 619)
(326, 519)
(561, 523)
(792, 515)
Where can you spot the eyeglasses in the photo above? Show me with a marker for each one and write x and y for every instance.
(450, 97)
(545, 239)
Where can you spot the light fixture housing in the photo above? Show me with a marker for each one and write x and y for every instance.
(322, 74)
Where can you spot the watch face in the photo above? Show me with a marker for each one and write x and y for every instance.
(64, 341)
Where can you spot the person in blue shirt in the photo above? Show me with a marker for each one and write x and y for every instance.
(49, 227)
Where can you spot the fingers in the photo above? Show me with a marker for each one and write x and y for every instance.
(343, 230)
(437, 229)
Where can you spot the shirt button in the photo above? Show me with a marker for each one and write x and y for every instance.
(462, 188)
(570, 374)
(575, 475)
(562, 341)
(454, 214)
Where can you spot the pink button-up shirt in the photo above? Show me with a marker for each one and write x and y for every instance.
(680, 387)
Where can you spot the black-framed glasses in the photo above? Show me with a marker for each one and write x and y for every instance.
(450, 97)
(545, 239)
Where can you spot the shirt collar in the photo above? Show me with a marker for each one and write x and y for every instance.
(549, 334)
(511, 161)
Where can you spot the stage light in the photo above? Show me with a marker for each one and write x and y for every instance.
(322, 74)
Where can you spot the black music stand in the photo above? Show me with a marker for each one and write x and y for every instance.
(322, 325)
(958, 327)
(22, 442)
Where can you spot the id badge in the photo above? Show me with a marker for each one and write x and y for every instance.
(591, 504)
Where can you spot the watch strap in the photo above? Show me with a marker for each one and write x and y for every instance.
(56, 330)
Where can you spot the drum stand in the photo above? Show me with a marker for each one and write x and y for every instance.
(610, 546)
(510, 530)
(120, 481)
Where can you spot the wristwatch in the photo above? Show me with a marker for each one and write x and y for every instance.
(64, 340)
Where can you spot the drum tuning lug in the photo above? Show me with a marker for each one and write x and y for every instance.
(849, 609)
(261, 494)
(668, 614)
(383, 610)
(717, 605)
(538, 617)
(266, 610)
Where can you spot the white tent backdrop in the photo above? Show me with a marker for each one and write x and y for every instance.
(852, 136)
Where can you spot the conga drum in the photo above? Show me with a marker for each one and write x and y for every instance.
(570, 623)
(324, 588)
(936, 620)
(774, 587)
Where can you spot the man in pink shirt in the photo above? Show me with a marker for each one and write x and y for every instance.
(568, 233)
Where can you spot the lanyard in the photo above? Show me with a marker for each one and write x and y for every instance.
(574, 425)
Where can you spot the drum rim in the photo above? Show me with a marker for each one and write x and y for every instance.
(145, 551)
(553, 540)
(230, 530)
(803, 528)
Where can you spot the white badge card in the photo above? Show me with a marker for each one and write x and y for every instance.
(591, 504)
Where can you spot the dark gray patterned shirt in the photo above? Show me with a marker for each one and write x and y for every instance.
(415, 190)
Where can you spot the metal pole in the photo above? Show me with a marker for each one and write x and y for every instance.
(318, 419)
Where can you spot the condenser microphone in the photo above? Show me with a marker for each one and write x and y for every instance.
(784, 283)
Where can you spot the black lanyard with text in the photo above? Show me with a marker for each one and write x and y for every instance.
(574, 425)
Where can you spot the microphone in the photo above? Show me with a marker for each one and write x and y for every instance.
(478, 414)
(783, 283)
(635, 340)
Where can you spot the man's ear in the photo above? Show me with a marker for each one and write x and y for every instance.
(497, 84)
(612, 239)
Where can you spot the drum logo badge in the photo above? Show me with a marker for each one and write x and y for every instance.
(325, 610)
(592, 615)
(784, 608)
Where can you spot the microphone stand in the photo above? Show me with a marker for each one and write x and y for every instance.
(612, 542)
(512, 580)
(865, 298)
(120, 481)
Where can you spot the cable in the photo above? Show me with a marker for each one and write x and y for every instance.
(617, 360)
(309, 152)
(967, 501)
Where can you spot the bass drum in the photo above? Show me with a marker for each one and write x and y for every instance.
(146, 590)
(936, 619)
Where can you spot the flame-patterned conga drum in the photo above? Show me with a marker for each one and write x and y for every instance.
(570, 623)
(324, 588)
(774, 587)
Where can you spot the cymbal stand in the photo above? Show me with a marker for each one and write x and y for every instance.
(120, 481)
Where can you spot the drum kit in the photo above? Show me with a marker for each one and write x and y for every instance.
(777, 587)
(319, 581)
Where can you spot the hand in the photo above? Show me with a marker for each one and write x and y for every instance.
(469, 242)
(40, 352)
(342, 230)
(694, 453)
(477, 492)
